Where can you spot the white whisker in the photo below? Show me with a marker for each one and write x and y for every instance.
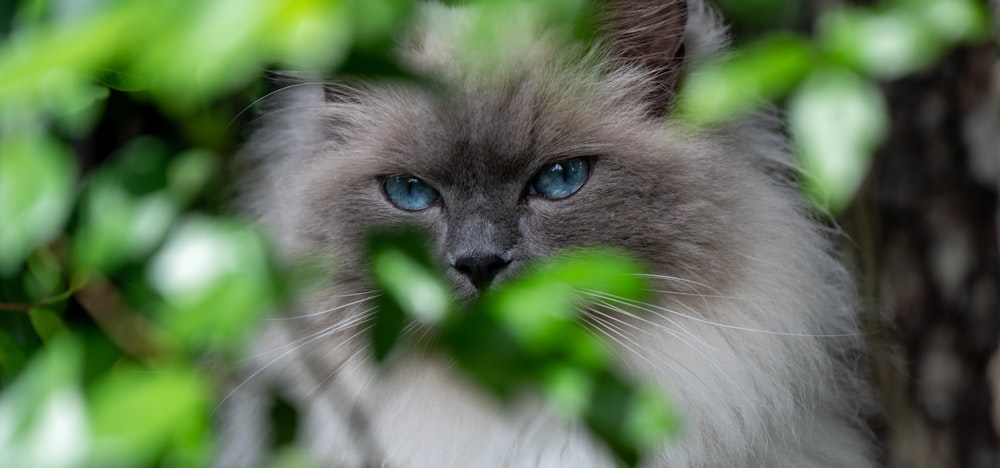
(687, 282)
(736, 327)
(705, 358)
(678, 293)
(272, 93)
(334, 309)
(326, 331)
(607, 327)
(284, 110)
(345, 362)
(643, 307)
(753, 330)
(297, 345)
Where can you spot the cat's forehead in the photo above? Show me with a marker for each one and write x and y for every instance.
(502, 114)
(504, 131)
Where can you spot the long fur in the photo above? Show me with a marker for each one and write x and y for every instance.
(751, 331)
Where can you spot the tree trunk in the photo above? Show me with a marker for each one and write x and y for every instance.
(925, 232)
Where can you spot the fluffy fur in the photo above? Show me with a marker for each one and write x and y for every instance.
(751, 331)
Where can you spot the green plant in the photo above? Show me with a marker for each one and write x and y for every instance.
(121, 282)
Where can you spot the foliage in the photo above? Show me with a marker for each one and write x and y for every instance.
(526, 334)
(121, 284)
(836, 113)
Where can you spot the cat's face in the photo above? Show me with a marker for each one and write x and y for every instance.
(508, 160)
(513, 169)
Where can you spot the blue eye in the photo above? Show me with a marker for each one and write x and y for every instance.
(560, 180)
(409, 193)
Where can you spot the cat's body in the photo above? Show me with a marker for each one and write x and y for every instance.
(750, 331)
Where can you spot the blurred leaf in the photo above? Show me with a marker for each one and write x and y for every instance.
(886, 45)
(894, 41)
(181, 51)
(955, 20)
(411, 288)
(374, 22)
(188, 173)
(69, 92)
(759, 13)
(36, 192)
(311, 34)
(629, 418)
(484, 44)
(650, 419)
(836, 119)
(140, 167)
(139, 413)
(567, 388)
(120, 80)
(216, 280)
(404, 271)
(547, 295)
(44, 274)
(284, 422)
(527, 334)
(727, 88)
(12, 358)
(117, 227)
(41, 66)
(43, 419)
(47, 324)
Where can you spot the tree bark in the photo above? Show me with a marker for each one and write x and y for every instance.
(924, 229)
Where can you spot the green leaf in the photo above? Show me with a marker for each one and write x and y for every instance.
(955, 20)
(403, 271)
(299, 26)
(188, 173)
(12, 358)
(411, 287)
(526, 334)
(887, 44)
(47, 323)
(117, 226)
(902, 37)
(375, 22)
(43, 278)
(138, 413)
(837, 119)
(43, 419)
(216, 280)
(650, 420)
(36, 192)
(726, 88)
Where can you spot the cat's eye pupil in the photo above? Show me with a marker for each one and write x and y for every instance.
(409, 193)
(560, 180)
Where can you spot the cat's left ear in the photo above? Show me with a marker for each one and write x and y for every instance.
(649, 35)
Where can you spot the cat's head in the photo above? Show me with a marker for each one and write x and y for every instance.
(504, 161)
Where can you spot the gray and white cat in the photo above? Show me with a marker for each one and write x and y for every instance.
(751, 328)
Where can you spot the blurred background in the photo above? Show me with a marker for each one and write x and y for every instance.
(118, 120)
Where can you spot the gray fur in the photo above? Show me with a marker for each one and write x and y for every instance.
(758, 349)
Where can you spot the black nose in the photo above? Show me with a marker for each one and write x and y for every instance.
(480, 269)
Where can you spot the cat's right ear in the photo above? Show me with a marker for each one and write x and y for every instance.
(648, 35)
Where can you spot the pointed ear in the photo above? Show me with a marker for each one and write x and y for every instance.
(649, 34)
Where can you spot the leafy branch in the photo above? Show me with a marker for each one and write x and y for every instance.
(526, 335)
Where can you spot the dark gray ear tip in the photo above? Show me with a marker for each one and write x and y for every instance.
(650, 34)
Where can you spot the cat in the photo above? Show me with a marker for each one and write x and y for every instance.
(751, 330)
